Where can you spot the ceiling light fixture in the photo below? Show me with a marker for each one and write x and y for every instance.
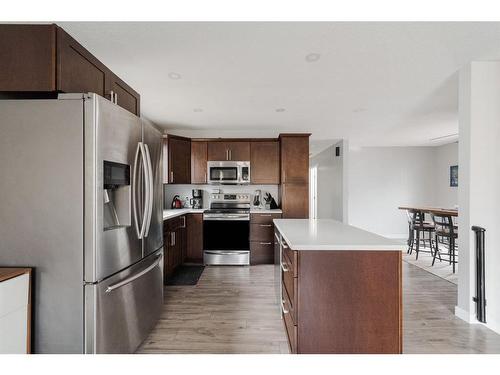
(173, 75)
(312, 57)
(280, 109)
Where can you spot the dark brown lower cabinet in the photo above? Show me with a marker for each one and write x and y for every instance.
(342, 301)
(262, 237)
(295, 200)
(194, 247)
(174, 239)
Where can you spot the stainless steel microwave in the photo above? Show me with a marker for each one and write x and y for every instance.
(228, 172)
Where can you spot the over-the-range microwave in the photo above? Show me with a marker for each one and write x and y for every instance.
(228, 172)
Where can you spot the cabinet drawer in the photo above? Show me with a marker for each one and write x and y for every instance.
(290, 259)
(290, 305)
(290, 283)
(291, 329)
(263, 218)
(261, 252)
(261, 232)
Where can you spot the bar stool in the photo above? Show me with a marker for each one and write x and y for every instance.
(419, 227)
(447, 231)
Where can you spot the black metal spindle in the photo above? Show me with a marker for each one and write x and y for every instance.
(480, 298)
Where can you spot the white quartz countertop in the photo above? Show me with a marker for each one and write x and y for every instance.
(327, 234)
(264, 211)
(171, 213)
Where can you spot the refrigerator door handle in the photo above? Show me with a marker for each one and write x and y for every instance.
(135, 276)
(134, 189)
(148, 196)
(150, 191)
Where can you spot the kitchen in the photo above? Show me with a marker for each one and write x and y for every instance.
(160, 210)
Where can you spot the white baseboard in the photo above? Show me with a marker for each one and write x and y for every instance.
(471, 319)
(465, 315)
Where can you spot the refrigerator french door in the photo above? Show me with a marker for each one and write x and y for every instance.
(78, 195)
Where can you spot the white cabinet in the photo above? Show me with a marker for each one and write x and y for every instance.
(14, 310)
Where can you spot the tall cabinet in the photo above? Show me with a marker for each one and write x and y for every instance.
(294, 168)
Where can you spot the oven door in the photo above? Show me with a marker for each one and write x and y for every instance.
(226, 241)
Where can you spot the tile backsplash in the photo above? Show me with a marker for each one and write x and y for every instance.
(169, 191)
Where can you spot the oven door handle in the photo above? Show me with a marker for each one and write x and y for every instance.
(226, 218)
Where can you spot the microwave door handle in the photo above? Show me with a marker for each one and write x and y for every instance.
(134, 190)
(150, 190)
(146, 197)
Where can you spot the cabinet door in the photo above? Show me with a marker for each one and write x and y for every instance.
(295, 201)
(194, 251)
(265, 162)
(294, 159)
(217, 151)
(28, 57)
(239, 151)
(77, 69)
(198, 162)
(179, 161)
(126, 96)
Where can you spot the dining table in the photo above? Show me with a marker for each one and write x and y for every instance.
(432, 210)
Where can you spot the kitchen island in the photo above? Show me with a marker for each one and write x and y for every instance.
(340, 287)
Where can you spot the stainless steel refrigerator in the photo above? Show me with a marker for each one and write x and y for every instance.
(81, 201)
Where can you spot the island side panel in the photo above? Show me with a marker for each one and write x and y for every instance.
(349, 302)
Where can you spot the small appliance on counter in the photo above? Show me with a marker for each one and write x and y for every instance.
(257, 200)
(197, 201)
(176, 202)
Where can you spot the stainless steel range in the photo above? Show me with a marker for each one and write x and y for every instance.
(226, 230)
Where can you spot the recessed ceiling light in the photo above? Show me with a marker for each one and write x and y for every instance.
(359, 110)
(198, 110)
(312, 57)
(173, 75)
(280, 109)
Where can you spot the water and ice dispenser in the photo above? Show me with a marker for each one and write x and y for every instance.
(117, 195)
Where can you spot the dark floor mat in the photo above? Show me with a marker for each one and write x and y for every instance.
(186, 275)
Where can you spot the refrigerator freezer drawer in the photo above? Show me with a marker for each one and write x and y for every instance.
(122, 310)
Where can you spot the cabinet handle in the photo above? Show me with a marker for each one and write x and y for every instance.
(285, 269)
(265, 225)
(173, 234)
(227, 154)
(171, 176)
(265, 215)
(230, 154)
(183, 222)
(116, 98)
(265, 243)
(285, 311)
(112, 96)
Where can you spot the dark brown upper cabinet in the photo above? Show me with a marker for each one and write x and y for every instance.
(177, 160)
(228, 150)
(294, 158)
(199, 162)
(44, 59)
(265, 162)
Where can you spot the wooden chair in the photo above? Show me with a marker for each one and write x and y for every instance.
(446, 232)
(418, 227)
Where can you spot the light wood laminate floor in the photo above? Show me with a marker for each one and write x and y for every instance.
(233, 310)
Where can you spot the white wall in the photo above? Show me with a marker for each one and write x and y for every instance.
(383, 178)
(185, 191)
(445, 156)
(330, 183)
(479, 185)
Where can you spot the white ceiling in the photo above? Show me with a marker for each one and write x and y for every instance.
(375, 83)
